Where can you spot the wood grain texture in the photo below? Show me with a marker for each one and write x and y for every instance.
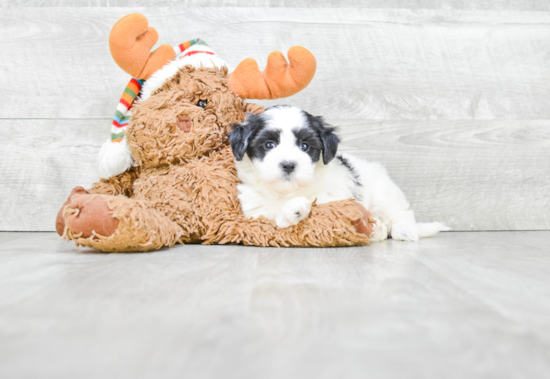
(461, 305)
(482, 175)
(530, 5)
(453, 103)
(472, 175)
(372, 63)
(42, 160)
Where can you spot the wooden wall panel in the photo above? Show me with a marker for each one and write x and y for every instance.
(529, 5)
(453, 103)
(42, 160)
(373, 63)
(473, 175)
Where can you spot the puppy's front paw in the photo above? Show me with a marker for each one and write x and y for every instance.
(379, 231)
(407, 232)
(294, 211)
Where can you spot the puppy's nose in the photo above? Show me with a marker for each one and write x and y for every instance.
(288, 167)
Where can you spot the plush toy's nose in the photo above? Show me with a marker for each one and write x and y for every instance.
(184, 123)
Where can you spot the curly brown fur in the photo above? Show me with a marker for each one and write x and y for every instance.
(155, 139)
(185, 188)
(201, 197)
(117, 185)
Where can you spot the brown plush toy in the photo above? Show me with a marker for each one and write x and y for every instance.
(170, 173)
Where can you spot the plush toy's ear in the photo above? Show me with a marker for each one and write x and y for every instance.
(326, 133)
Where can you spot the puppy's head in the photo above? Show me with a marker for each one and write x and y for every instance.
(284, 145)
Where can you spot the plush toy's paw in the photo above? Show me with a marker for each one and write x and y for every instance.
(88, 215)
(364, 225)
(294, 211)
(60, 221)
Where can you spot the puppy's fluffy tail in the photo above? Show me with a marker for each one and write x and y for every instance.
(430, 229)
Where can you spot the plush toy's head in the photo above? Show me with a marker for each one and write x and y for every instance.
(187, 99)
(188, 117)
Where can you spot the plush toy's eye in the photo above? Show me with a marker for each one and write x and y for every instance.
(269, 145)
(304, 146)
(202, 104)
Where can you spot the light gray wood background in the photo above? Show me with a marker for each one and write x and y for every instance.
(453, 97)
(461, 305)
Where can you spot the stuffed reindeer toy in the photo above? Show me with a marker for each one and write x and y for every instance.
(168, 171)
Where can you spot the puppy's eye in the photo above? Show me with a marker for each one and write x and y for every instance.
(269, 145)
(202, 104)
(304, 146)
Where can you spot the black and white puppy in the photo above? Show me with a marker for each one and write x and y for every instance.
(286, 158)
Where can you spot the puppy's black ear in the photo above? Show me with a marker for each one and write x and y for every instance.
(238, 140)
(326, 133)
(241, 135)
(330, 144)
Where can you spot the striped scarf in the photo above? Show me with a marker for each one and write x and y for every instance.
(122, 113)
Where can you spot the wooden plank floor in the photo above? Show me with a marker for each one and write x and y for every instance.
(461, 305)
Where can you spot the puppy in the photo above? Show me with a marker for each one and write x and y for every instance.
(287, 158)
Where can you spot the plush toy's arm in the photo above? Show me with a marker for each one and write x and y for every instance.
(117, 185)
(339, 223)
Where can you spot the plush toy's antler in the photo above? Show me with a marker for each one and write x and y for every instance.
(131, 40)
(279, 79)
